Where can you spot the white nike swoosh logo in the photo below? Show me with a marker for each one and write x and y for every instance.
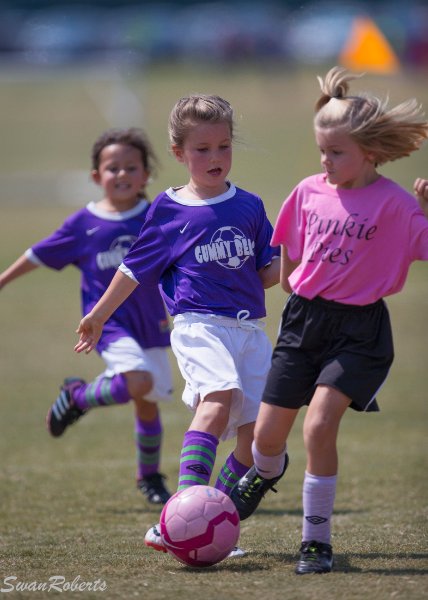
(183, 229)
(93, 230)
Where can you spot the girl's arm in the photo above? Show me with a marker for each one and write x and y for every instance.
(91, 326)
(270, 274)
(18, 268)
(421, 190)
(287, 267)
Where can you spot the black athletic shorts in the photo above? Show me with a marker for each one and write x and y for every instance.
(347, 347)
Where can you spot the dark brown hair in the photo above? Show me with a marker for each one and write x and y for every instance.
(130, 137)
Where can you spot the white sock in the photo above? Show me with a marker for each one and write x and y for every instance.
(318, 501)
(268, 466)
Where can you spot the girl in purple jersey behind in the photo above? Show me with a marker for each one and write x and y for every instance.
(135, 339)
(208, 243)
(347, 237)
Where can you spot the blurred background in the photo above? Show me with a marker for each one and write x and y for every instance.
(70, 69)
(133, 32)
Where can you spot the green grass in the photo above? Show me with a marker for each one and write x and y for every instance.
(69, 506)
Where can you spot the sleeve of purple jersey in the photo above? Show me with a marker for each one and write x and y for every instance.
(150, 255)
(59, 249)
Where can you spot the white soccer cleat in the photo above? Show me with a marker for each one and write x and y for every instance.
(153, 539)
(236, 553)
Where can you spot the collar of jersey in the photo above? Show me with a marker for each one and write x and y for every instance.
(119, 216)
(226, 196)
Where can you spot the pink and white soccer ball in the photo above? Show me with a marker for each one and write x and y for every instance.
(199, 526)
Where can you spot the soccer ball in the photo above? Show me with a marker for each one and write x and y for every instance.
(199, 526)
(238, 249)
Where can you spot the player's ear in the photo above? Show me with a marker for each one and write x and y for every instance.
(177, 152)
(371, 157)
(95, 175)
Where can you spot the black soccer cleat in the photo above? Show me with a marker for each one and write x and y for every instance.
(153, 488)
(315, 557)
(63, 411)
(250, 489)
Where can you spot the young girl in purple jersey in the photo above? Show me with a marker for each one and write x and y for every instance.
(208, 243)
(133, 345)
(347, 238)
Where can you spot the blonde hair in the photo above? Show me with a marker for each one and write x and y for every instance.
(194, 109)
(387, 133)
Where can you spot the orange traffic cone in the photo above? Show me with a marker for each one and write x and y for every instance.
(367, 49)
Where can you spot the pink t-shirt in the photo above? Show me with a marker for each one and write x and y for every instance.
(355, 245)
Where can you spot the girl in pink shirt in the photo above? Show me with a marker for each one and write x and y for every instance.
(347, 237)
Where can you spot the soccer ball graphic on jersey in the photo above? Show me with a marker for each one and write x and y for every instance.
(199, 526)
(121, 246)
(233, 247)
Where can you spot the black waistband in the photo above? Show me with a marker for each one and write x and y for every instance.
(339, 305)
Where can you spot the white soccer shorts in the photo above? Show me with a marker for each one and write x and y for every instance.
(220, 353)
(125, 354)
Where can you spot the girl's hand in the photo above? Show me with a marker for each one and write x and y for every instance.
(420, 188)
(90, 330)
(91, 326)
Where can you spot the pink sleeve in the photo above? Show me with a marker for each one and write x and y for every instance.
(419, 236)
(289, 227)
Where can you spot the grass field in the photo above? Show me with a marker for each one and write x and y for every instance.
(69, 507)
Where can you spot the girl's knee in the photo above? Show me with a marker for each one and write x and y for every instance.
(319, 435)
(211, 416)
(272, 428)
(139, 383)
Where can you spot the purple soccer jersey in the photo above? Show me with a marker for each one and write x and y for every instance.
(205, 253)
(96, 241)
